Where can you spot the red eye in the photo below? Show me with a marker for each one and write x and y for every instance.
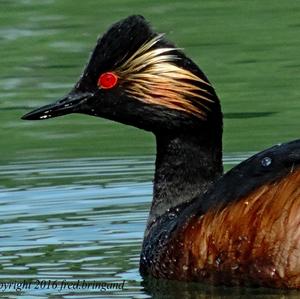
(107, 80)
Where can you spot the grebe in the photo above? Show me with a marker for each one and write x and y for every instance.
(238, 228)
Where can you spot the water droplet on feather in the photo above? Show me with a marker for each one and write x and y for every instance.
(266, 161)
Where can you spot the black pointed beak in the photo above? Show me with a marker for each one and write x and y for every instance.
(71, 103)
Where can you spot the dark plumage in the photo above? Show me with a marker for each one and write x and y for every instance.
(240, 228)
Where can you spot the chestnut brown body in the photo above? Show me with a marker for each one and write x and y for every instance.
(253, 241)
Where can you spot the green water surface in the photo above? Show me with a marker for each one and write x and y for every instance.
(249, 50)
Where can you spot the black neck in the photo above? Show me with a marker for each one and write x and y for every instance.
(186, 165)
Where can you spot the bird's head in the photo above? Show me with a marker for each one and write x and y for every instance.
(136, 77)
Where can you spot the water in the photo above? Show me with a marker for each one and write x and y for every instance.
(86, 228)
(75, 191)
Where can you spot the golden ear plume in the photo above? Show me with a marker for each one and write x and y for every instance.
(150, 75)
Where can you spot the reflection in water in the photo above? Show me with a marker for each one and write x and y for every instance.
(172, 289)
